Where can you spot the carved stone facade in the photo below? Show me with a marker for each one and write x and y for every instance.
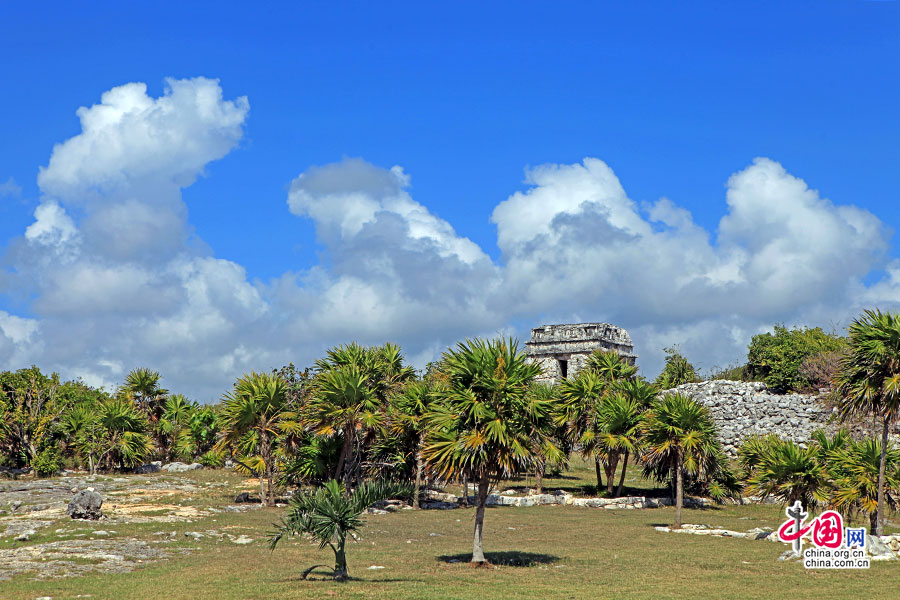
(563, 350)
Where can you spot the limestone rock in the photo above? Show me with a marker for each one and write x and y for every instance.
(877, 549)
(25, 535)
(152, 467)
(180, 467)
(85, 505)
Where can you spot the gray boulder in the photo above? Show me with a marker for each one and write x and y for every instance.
(153, 467)
(85, 505)
(180, 467)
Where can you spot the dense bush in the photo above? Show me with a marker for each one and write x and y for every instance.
(47, 462)
(819, 370)
(777, 357)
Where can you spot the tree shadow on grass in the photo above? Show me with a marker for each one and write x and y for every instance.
(325, 574)
(510, 558)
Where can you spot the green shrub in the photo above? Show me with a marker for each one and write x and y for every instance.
(776, 357)
(47, 462)
(212, 459)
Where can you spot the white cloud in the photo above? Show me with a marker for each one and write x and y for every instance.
(130, 137)
(51, 227)
(116, 285)
(10, 188)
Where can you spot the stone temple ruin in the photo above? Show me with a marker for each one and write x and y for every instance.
(563, 350)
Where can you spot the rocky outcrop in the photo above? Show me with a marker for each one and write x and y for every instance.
(742, 409)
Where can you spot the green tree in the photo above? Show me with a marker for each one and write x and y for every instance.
(30, 407)
(777, 357)
(680, 438)
(329, 514)
(255, 413)
(482, 429)
(869, 381)
(676, 371)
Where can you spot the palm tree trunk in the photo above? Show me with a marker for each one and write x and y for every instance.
(679, 489)
(262, 487)
(419, 467)
(599, 477)
(270, 476)
(622, 478)
(879, 528)
(340, 563)
(610, 467)
(264, 453)
(539, 477)
(346, 457)
(477, 545)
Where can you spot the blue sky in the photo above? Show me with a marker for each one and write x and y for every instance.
(466, 99)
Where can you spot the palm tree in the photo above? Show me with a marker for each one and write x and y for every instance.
(680, 438)
(869, 381)
(350, 396)
(620, 418)
(640, 390)
(610, 366)
(328, 514)
(855, 468)
(544, 408)
(482, 429)
(255, 413)
(117, 434)
(581, 402)
(173, 426)
(143, 386)
(785, 470)
(409, 408)
(343, 403)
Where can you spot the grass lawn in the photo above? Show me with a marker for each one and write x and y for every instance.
(539, 552)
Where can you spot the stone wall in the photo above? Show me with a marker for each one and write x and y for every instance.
(742, 409)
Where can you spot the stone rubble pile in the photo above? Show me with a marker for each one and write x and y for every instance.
(442, 500)
(879, 548)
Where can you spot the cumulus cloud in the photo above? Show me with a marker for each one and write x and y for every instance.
(113, 280)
